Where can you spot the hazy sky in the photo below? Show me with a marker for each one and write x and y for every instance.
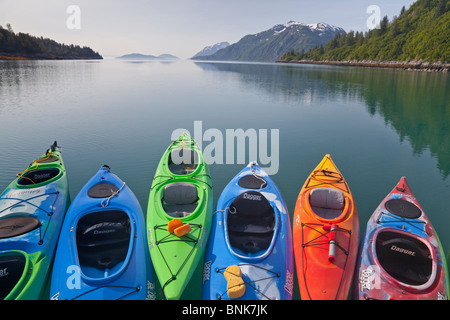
(178, 27)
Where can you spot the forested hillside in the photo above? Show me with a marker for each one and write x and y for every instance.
(22, 45)
(420, 33)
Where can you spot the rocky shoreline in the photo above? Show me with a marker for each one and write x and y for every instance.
(404, 65)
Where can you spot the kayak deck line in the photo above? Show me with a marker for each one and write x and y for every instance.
(170, 237)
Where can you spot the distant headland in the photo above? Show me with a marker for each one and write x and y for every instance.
(140, 56)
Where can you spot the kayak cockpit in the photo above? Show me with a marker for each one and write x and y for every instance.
(406, 258)
(14, 267)
(327, 203)
(183, 161)
(38, 176)
(103, 241)
(251, 224)
(180, 199)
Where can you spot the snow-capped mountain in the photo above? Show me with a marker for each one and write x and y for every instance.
(321, 27)
(209, 50)
(271, 44)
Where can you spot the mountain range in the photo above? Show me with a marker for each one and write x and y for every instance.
(271, 44)
(210, 50)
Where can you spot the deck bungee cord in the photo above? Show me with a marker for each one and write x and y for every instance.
(324, 239)
(326, 177)
(133, 290)
(396, 219)
(27, 201)
(170, 237)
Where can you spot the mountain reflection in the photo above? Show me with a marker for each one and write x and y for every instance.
(415, 104)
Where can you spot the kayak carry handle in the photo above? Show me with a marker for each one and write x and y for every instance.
(54, 146)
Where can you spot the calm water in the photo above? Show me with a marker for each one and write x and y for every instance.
(378, 125)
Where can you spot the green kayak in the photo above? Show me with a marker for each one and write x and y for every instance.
(179, 215)
(32, 210)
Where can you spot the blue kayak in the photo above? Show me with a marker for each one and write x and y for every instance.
(32, 209)
(102, 252)
(249, 255)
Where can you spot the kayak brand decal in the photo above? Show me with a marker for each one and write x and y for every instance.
(14, 193)
(402, 250)
(203, 240)
(235, 145)
(151, 292)
(253, 197)
(207, 271)
(441, 296)
(4, 272)
(150, 239)
(369, 278)
(289, 284)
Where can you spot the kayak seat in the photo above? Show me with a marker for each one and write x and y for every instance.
(180, 199)
(11, 270)
(327, 203)
(183, 161)
(37, 176)
(250, 222)
(406, 259)
(103, 239)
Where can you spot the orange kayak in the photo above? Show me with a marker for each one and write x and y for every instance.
(325, 234)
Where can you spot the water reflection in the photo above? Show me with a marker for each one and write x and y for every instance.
(415, 104)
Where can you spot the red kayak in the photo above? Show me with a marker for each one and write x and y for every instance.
(401, 255)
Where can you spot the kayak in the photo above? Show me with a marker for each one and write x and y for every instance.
(326, 234)
(179, 215)
(401, 256)
(32, 209)
(102, 252)
(249, 254)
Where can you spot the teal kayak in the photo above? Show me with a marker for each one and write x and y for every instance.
(32, 210)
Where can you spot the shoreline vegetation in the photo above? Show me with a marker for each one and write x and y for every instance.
(404, 65)
(6, 56)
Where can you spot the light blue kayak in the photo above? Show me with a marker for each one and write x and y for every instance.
(102, 252)
(251, 230)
